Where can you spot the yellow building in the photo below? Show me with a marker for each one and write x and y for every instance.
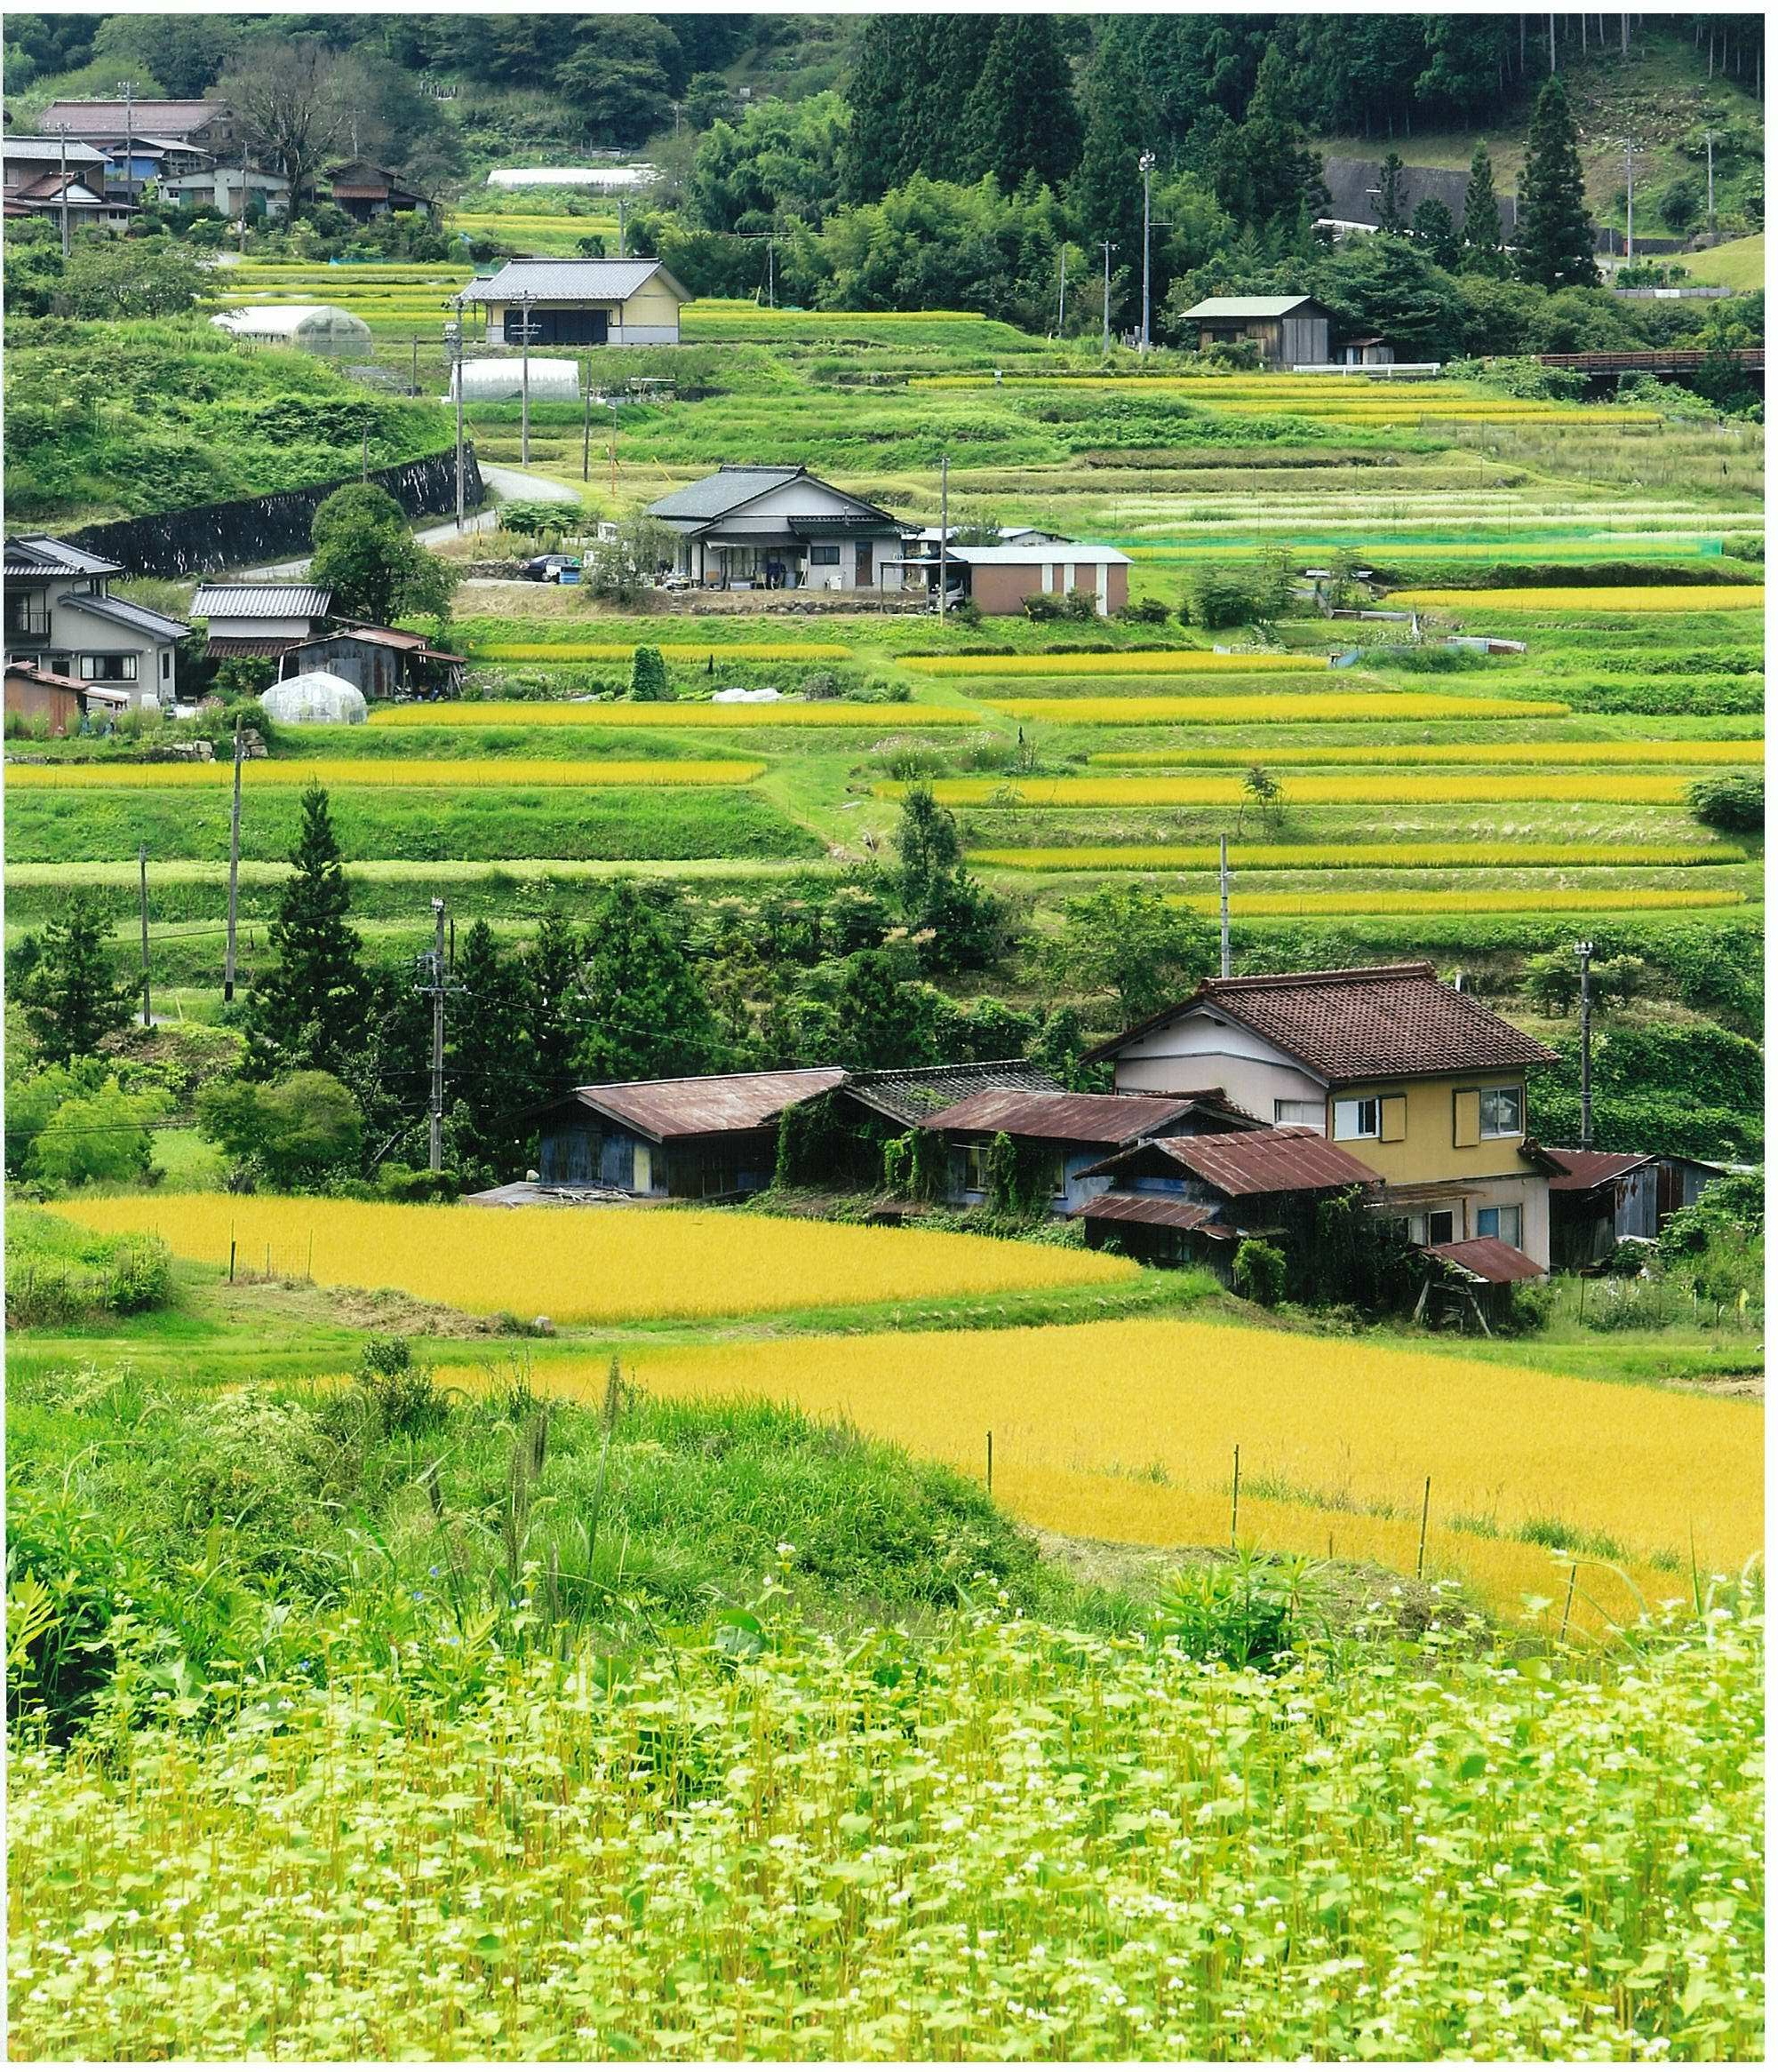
(1421, 1082)
(580, 302)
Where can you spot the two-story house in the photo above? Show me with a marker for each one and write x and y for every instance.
(1417, 1081)
(61, 615)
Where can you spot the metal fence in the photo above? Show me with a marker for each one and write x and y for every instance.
(256, 529)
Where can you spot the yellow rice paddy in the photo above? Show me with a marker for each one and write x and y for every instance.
(1362, 855)
(1354, 790)
(1135, 662)
(1264, 707)
(1127, 1431)
(1587, 601)
(558, 713)
(572, 650)
(604, 1265)
(1540, 899)
(506, 772)
(1604, 754)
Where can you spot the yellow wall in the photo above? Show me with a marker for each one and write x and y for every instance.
(651, 304)
(1428, 1148)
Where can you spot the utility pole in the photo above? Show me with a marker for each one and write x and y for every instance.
(623, 216)
(1629, 202)
(1105, 319)
(585, 419)
(525, 376)
(453, 346)
(413, 371)
(1553, 43)
(234, 870)
(943, 528)
(241, 240)
(142, 864)
(1710, 182)
(1584, 951)
(1223, 899)
(1062, 293)
(61, 131)
(364, 457)
(771, 273)
(126, 88)
(1146, 164)
(435, 1131)
(612, 402)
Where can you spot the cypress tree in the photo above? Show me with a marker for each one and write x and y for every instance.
(1483, 252)
(306, 1010)
(1435, 233)
(1107, 191)
(486, 1068)
(554, 1010)
(648, 1015)
(1555, 238)
(1389, 208)
(1020, 116)
(65, 982)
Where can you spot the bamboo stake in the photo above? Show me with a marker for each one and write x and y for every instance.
(1235, 1502)
(1568, 1605)
(1425, 1512)
(991, 1463)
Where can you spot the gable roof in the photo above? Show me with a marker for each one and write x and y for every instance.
(1168, 1210)
(1260, 306)
(914, 1093)
(1580, 1172)
(1375, 1022)
(35, 672)
(1024, 557)
(707, 1106)
(1487, 1259)
(1255, 1161)
(51, 187)
(35, 553)
(577, 280)
(1065, 1117)
(737, 484)
(101, 118)
(49, 150)
(138, 617)
(263, 600)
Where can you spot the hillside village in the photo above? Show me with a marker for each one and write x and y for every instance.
(745, 751)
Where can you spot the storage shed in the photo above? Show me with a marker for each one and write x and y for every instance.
(581, 302)
(1288, 331)
(317, 327)
(998, 580)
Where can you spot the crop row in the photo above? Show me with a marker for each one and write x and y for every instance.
(675, 713)
(570, 649)
(1603, 752)
(1363, 855)
(1586, 601)
(1542, 899)
(1266, 707)
(1353, 790)
(512, 771)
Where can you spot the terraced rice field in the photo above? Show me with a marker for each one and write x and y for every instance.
(1274, 708)
(407, 772)
(680, 713)
(1405, 856)
(1601, 754)
(1592, 601)
(1350, 790)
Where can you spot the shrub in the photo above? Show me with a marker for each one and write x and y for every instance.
(1735, 804)
(399, 1183)
(1041, 607)
(1218, 597)
(1146, 612)
(1259, 1273)
(1244, 1612)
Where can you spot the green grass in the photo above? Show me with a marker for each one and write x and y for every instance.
(1740, 263)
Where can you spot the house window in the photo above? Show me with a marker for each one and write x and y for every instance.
(1503, 1111)
(823, 557)
(108, 668)
(1506, 1223)
(1359, 1117)
(1300, 1114)
(1436, 1226)
(166, 664)
(976, 1168)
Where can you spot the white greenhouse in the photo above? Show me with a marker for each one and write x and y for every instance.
(502, 380)
(314, 326)
(315, 698)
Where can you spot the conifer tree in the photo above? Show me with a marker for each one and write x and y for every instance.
(1107, 191)
(648, 1015)
(64, 981)
(1434, 231)
(554, 1011)
(306, 1011)
(1555, 240)
(486, 1066)
(1483, 252)
(1020, 116)
(1390, 209)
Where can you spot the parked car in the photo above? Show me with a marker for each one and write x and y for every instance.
(550, 567)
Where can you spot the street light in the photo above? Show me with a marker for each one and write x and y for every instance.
(1146, 164)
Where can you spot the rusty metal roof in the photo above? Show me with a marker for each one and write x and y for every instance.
(1488, 1259)
(710, 1106)
(1168, 1210)
(1376, 1022)
(910, 1093)
(1064, 1118)
(1268, 1161)
(1582, 1171)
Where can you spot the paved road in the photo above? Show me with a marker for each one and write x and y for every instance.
(510, 482)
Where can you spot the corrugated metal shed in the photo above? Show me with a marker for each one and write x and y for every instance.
(1169, 1212)
(1255, 306)
(1064, 1118)
(261, 601)
(585, 279)
(711, 1106)
(1487, 1259)
(1582, 1171)
(1382, 1021)
(1268, 1161)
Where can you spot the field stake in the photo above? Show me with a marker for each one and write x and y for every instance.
(1568, 1605)
(311, 1252)
(1235, 1500)
(1425, 1512)
(231, 1258)
(991, 1463)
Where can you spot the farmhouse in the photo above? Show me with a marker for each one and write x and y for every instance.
(213, 183)
(580, 302)
(1288, 331)
(207, 123)
(62, 702)
(61, 615)
(1421, 1081)
(1061, 1139)
(750, 526)
(1178, 1200)
(691, 1139)
(292, 625)
(261, 618)
(366, 192)
(34, 183)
